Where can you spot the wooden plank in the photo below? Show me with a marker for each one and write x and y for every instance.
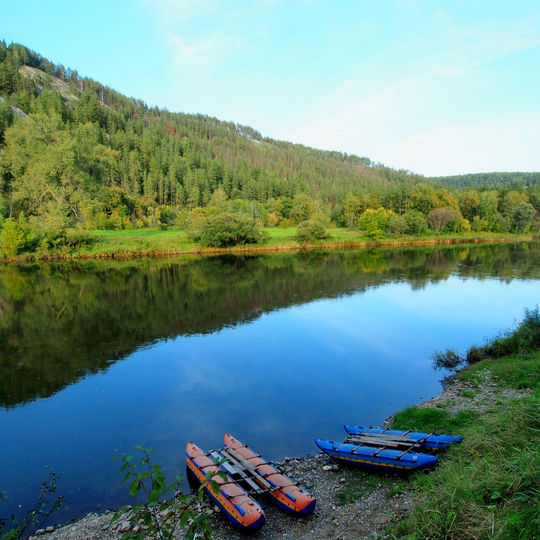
(379, 441)
(385, 436)
(386, 441)
(229, 468)
(246, 478)
(397, 438)
(235, 456)
(372, 442)
(254, 486)
(229, 465)
(251, 483)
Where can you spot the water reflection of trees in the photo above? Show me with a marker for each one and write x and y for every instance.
(59, 322)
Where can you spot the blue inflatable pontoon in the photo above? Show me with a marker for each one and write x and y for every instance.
(414, 438)
(373, 457)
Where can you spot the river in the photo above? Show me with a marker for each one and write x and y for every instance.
(97, 357)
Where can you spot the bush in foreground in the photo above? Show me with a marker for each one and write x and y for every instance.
(227, 229)
(17, 528)
(311, 230)
(161, 518)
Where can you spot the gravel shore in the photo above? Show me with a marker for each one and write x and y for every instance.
(351, 504)
(364, 518)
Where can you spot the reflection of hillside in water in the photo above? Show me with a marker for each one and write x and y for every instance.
(60, 321)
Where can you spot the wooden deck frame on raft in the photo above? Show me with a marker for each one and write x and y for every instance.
(382, 442)
(236, 465)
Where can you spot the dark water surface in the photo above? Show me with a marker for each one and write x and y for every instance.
(98, 357)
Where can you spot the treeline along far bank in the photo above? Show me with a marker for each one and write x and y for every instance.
(77, 155)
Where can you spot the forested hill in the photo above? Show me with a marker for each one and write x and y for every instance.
(74, 153)
(155, 155)
(490, 180)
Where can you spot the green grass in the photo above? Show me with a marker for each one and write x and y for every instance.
(489, 486)
(148, 240)
(432, 420)
(349, 495)
(140, 242)
(525, 338)
(519, 371)
(156, 240)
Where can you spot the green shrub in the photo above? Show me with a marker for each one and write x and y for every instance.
(475, 354)
(462, 226)
(447, 359)
(375, 221)
(13, 237)
(75, 238)
(16, 528)
(416, 222)
(398, 225)
(525, 338)
(68, 239)
(311, 230)
(162, 518)
(228, 229)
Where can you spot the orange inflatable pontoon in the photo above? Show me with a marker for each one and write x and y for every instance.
(287, 495)
(231, 498)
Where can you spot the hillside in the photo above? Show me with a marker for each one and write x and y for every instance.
(74, 153)
(173, 155)
(490, 180)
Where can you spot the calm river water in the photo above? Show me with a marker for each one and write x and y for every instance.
(98, 357)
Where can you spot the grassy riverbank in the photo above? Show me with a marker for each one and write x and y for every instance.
(487, 487)
(156, 242)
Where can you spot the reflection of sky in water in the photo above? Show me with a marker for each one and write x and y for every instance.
(276, 383)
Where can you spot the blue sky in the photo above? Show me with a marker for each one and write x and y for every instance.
(436, 87)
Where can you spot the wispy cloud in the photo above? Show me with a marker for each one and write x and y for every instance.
(475, 47)
(431, 96)
(505, 143)
(195, 41)
(415, 118)
(199, 54)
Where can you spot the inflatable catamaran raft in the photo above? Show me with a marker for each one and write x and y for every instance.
(384, 449)
(247, 474)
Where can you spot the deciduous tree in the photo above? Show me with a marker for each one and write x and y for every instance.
(439, 218)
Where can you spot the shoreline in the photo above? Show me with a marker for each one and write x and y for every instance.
(381, 499)
(262, 249)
